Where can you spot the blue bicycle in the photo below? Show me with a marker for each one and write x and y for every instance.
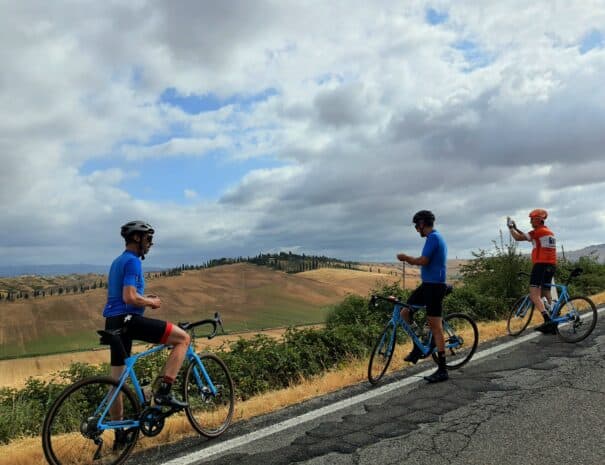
(79, 428)
(576, 316)
(459, 330)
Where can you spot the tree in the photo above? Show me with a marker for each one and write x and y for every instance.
(495, 274)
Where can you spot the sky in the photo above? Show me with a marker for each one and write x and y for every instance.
(244, 126)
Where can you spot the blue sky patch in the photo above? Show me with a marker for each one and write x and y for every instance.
(435, 17)
(593, 39)
(473, 54)
(194, 104)
(166, 179)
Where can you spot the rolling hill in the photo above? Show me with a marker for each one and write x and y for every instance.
(248, 297)
(598, 251)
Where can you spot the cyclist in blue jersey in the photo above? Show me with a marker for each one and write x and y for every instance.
(124, 310)
(432, 290)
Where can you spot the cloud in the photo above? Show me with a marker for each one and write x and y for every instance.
(369, 111)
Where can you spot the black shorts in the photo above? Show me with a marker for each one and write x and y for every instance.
(541, 275)
(136, 327)
(430, 295)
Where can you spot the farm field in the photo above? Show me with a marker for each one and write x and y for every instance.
(247, 296)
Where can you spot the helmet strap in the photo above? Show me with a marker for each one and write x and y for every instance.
(140, 247)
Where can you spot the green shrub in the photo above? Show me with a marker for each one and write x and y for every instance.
(470, 301)
(352, 310)
(592, 279)
(22, 411)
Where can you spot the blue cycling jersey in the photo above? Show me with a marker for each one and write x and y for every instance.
(435, 249)
(126, 270)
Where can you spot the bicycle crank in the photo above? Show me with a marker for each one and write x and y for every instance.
(152, 421)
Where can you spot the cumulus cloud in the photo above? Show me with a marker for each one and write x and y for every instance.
(373, 113)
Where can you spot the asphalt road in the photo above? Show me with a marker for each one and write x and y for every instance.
(539, 402)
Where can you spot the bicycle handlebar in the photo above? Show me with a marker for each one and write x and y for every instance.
(394, 300)
(390, 299)
(216, 322)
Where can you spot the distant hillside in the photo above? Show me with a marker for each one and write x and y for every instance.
(282, 261)
(598, 251)
(51, 270)
(248, 297)
(57, 270)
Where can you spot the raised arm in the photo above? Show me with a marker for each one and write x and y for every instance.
(517, 234)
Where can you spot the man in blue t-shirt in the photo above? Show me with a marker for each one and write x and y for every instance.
(124, 310)
(432, 289)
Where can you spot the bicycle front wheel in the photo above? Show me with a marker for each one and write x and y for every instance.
(581, 313)
(70, 434)
(382, 353)
(461, 339)
(209, 413)
(520, 316)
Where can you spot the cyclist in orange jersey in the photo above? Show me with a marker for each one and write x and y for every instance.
(544, 259)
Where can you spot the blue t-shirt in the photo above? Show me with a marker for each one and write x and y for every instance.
(435, 249)
(126, 270)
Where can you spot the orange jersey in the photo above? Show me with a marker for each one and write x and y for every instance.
(545, 246)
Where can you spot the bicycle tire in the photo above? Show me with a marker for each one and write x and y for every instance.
(584, 322)
(520, 315)
(63, 436)
(210, 415)
(382, 353)
(460, 342)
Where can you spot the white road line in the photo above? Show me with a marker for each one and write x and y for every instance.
(309, 416)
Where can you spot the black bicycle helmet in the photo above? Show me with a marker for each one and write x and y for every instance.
(136, 226)
(425, 216)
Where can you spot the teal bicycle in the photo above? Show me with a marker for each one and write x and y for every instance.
(459, 330)
(79, 428)
(575, 316)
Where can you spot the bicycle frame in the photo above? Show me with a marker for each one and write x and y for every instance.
(556, 304)
(396, 319)
(129, 372)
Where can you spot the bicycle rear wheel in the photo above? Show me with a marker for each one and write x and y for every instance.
(210, 414)
(382, 353)
(70, 435)
(582, 319)
(461, 339)
(520, 316)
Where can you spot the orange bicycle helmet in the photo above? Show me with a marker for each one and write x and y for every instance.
(538, 213)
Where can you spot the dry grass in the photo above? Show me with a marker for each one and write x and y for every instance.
(355, 281)
(598, 299)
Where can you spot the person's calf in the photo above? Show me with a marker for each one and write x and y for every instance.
(441, 373)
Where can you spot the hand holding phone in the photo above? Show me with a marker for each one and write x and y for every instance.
(510, 223)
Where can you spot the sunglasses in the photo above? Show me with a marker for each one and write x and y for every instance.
(149, 239)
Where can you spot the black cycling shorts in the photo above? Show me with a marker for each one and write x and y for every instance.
(136, 327)
(541, 275)
(430, 295)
